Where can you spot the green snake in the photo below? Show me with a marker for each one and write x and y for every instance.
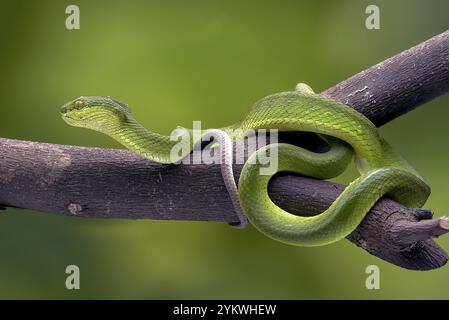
(347, 132)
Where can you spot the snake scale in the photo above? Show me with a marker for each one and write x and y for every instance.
(348, 133)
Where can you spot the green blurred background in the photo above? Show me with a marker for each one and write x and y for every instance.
(179, 61)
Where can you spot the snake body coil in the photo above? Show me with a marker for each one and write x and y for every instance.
(382, 170)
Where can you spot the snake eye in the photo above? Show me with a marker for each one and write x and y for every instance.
(79, 104)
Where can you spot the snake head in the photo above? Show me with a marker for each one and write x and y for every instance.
(94, 112)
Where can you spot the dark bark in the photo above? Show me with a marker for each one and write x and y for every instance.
(399, 84)
(105, 183)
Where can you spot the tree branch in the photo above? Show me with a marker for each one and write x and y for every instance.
(107, 183)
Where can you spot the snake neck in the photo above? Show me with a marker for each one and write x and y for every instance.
(154, 146)
(135, 137)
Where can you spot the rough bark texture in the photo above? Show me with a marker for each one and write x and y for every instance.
(399, 84)
(106, 183)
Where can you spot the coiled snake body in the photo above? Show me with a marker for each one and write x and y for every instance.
(382, 170)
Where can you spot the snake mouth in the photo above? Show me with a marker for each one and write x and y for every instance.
(67, 113)
(67, 116)
(67, 109)
(71, 115)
